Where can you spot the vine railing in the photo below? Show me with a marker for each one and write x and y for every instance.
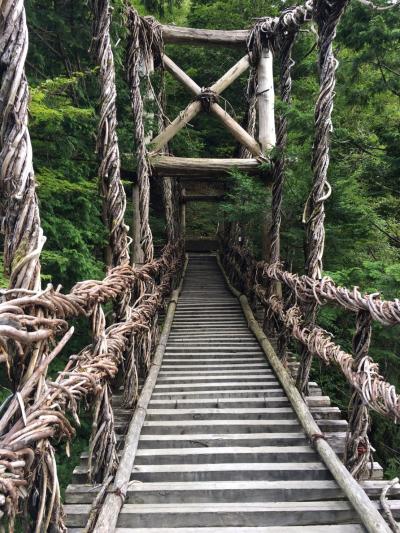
(29, 427)
(42, 412)
(286, 313)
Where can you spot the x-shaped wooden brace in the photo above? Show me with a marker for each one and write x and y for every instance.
(194, 108)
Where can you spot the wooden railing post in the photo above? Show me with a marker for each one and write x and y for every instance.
(266, 127)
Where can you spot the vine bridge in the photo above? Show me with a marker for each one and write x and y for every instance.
(204, 417)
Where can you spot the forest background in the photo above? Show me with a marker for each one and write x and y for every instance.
(363, 227)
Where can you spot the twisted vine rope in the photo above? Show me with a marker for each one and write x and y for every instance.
(171, 186)
(143, 36)
(362, 374)
(107, 139)
(327, 15)
(20, 222)
(103, 458)
(20, 212)
(307, 290)
(358, 452)
(21, 442)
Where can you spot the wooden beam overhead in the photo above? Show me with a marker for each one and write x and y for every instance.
(195, 168)
(202, 37)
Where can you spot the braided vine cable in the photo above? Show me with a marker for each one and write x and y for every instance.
(171, 186)
(113, 193)
(142, 38)
(285, 45)
(327, 15)
(103, 458)
(358, 452)
(287, 63)
(20, 223)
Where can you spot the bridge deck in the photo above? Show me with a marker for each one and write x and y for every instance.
(221, 449)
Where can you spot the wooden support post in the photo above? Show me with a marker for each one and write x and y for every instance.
(266, 128)
(203, 198)
(182, 216)
(231, 75)
(266, 102)
(180, 75)
(188, 114)
(239, 133)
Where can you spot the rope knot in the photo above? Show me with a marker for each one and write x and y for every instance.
(206, 98)
(317, 436)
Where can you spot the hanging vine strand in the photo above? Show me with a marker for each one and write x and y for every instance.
(144, 37)
(327, 15)
(107, 141)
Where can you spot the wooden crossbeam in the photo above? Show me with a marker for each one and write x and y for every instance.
(239, 133)
(195, 168)
(200, 37)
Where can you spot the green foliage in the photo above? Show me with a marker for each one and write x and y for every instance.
(161, 6)
(63, 143)
(3, 280)
(246, 201)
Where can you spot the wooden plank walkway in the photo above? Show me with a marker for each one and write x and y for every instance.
(221, 449)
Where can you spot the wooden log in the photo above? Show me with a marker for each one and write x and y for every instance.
(107, 520)
(266, 102)
(182, 218)
(188, 180)
(266, 130)
(231, 75)
(201, 37)
(239, 133)
(193, 108)
(181, 75)
(172, 129)
(194, 168)
(365, 508)
(218, 87)
(136, 249)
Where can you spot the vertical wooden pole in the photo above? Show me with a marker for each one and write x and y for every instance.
(266, 127)
(183, 215)
(266, 102)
